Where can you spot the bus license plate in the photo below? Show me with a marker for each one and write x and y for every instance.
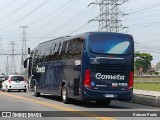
(109, 95)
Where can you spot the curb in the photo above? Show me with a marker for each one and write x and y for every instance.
(150, 98)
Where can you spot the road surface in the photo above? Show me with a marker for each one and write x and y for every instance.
(48, 107)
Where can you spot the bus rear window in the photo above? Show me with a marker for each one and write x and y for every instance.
(109, 44)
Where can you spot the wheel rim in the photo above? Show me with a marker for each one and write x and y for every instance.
(64, 94)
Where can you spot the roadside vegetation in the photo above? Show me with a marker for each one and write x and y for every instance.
(151, 83)
(157, 78)
(146, 78)
(147, 86)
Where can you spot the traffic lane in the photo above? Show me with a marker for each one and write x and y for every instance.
(12, 97)
(57, 100)
(84, 105)
(87, 105)
(14, 104)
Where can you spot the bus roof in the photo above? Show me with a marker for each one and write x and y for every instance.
(82, 35)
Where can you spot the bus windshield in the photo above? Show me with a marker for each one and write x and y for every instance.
(110, 44)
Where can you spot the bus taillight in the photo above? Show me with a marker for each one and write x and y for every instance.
(130, 82)
(87, 80)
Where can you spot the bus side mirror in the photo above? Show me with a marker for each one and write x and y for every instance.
(29, 51)
(25, 63)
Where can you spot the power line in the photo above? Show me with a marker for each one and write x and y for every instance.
(150, 23)
(144, 8)
(55, 17)
(9, 15)
(70, 20)
(49, 14)
(74, 30)
(24, 47)
(42, 4)
(10, 31)
(150, 42)
(110, 13)
(8, 5)
(146, 26)
(142, 17)
(78, 29)
(12, 66)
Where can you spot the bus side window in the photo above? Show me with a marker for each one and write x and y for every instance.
(51, 56)
(71, 49)
(63, 50)
(60, 47)
(56, 51)
(36, 57)
(78, 48)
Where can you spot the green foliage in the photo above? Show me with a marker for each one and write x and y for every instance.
(147, 86)
(156, 73)
(143, 60)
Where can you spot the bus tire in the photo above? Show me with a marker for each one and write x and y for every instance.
(64, 95)
(36, 94)
(103, 102)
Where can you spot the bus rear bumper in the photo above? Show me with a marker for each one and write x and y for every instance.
(89, 94)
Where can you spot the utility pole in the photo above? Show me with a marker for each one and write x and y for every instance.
(110, 15)
(2, 52)
(12, 67)
(7, 66)
(24, 47)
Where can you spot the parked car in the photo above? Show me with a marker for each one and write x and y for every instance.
(2, 78)
(14, 82)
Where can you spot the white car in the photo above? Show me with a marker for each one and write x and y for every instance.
(14, 82)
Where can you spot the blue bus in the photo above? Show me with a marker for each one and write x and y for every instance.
(95, 66)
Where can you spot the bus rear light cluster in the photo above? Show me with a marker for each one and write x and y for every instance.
(130, 82)
(87, 80)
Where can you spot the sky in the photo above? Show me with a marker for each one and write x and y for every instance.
(48, 19)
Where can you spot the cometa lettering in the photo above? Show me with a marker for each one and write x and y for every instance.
(110, 77)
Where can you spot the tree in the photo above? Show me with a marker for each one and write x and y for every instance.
(143, 60)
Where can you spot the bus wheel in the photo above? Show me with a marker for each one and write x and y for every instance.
(103, 102)
(65, 99)
(36, 94)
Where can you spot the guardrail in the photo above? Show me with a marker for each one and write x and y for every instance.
(151, 98)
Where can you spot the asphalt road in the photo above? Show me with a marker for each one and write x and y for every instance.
(25, 104)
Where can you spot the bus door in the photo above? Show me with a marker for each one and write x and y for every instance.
(40, 75)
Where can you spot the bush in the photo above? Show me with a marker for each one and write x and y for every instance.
(156, 73)
(150, 73)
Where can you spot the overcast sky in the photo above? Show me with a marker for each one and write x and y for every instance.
(48, 19)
